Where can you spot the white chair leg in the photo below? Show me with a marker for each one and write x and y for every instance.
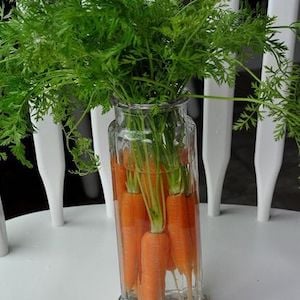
(3, 235)
(49, 149)
(217, 131)
(268, 152)
(100, 123)
(268, 160)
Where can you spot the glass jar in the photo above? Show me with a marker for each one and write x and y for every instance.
(155, 180)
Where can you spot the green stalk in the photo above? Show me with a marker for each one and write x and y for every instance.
(152, 194)
(269, 105)
(176, 174)
(159, 180)
(132, 184)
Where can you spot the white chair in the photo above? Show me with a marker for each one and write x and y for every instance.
(268, 152)
(216, 143)
(217, 135)
(100, 124)
(49, 150)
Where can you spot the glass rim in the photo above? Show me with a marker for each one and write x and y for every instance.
(148, 106)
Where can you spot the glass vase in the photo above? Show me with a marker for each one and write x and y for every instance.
(155, 181)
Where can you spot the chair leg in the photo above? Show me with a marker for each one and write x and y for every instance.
(3, 234)
(217, 132)
(268, 152)
(268, 160)
(100, 123)
(49, 149)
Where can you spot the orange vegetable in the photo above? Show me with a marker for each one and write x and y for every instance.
(170, 265)
(180, 236)
(113, 174)
(142, 225)
(119, 179)
(154, 254)
(134, 224)
(128, 236)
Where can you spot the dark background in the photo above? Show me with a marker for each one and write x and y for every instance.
(22, 190)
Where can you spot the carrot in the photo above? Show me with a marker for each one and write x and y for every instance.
(142, 225)
(134, 223)
(170, 265)
(180, 236)
(113, 174)
(155, 247)
(119, 179)
(128, 236)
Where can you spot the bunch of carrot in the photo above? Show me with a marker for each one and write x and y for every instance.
(158, 230)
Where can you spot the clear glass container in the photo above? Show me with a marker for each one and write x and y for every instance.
(155, 180)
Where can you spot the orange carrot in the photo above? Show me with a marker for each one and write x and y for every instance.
(128, 236)
(119, 179)
(170, 265)
(142, 225)
(134, 224)
(113, 174)
(155, 247)
(180, 237)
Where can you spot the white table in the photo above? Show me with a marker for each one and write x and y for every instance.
(242, 259)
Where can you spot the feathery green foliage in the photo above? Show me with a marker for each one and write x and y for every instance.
(61, 57)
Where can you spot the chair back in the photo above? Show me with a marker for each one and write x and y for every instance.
(217, 126)
(48, 141)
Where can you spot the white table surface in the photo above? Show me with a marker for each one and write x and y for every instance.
(242, 259)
